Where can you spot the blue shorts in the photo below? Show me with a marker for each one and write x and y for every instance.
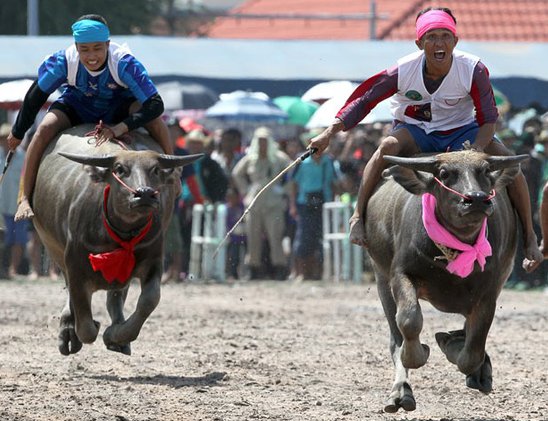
(16, 232)
(440, 142)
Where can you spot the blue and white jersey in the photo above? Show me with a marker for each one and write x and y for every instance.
(123, 78)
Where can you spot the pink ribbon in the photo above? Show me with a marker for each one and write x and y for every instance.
(463, 265)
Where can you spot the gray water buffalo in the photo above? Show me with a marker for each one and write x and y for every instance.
(103, 223)
(455, 192)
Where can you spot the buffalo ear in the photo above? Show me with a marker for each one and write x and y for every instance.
(502, 178)
(415, 182)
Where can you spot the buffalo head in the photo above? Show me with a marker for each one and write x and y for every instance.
(136, 177)
(462, 182)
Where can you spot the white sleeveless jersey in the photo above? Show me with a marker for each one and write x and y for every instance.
(451, 105)
(115, 53)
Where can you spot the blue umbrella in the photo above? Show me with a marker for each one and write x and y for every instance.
(246, 106)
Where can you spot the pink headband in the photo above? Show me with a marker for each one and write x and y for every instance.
(435, 19)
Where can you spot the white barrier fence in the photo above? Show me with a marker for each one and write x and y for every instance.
(208, 230)
(343, 261)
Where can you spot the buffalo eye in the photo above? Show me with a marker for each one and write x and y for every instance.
(444, 174)
(119, 170)
(155, 170)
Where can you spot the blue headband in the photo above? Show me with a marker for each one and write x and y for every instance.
(89, 30)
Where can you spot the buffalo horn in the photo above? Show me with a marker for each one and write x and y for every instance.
(419, 163)
(500, 162)
(104, 161)
(173, 161)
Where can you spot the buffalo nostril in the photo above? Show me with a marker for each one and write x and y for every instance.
(145, 192)
(475, 197)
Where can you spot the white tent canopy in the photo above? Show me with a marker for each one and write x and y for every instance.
(274, 60)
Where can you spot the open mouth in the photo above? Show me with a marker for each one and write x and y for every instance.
(439, 55)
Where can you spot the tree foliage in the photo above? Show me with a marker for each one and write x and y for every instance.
(56, 16)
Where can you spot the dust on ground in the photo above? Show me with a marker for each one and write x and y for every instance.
(259, 351)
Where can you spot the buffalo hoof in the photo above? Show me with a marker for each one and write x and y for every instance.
(68, 341)
(416, 357)
(451, 344)
(482, 379)
(401, 398)
(123, 349)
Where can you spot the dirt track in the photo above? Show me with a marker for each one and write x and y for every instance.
(259, 351)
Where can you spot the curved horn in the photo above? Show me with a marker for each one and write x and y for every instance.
(419, 163)
(500, 162)
(104, 161)
(172, 161)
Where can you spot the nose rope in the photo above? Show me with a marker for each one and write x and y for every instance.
(99, 128)
(491, 195)
(131, 189)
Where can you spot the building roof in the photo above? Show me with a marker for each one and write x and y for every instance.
(478, 20)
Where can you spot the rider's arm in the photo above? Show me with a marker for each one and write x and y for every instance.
(367, 95)
(152, 108)
(34, 100)
(484, 103)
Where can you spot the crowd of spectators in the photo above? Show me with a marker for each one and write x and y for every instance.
(281, 238)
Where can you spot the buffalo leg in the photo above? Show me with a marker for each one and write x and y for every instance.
(466, 348)
(401, 395)
(409, 321)
(126, 332)
(87, 329)
(68, 342)
(115, 307)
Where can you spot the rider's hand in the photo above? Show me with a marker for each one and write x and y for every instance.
(13, 142)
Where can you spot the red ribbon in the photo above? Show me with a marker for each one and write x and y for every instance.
(119, 263)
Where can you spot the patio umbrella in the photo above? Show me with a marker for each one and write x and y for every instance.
(326, 90)
(186, 96)
(246, 106)
(13, 93)
(299, 111)
(325, 115)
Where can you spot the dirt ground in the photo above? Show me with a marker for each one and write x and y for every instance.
(259, 351)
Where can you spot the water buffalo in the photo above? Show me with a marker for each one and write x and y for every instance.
(103, 223)
(456, 191)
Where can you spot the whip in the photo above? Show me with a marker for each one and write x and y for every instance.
(301, 158)
(9, 156)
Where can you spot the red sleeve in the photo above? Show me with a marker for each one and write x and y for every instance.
(482, 95)
(366, 96)
(194, 189)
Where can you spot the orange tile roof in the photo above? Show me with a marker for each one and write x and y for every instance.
(478, 20)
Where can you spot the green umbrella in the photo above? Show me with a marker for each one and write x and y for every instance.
(299, 111)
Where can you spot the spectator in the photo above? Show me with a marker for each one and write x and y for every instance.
(312, 184)
(212, 183)
(228, 153)
(16, 232)
(237, 240)
(255, 170)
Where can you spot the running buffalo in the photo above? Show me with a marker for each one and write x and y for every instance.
(103, 223)
(428, 240)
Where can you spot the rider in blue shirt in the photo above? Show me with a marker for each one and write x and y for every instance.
(102, 81)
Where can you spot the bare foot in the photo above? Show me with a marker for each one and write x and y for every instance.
(357, 232)
(533, 255)
(24, 211)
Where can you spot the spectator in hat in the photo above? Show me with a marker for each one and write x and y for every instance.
(255, 170)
